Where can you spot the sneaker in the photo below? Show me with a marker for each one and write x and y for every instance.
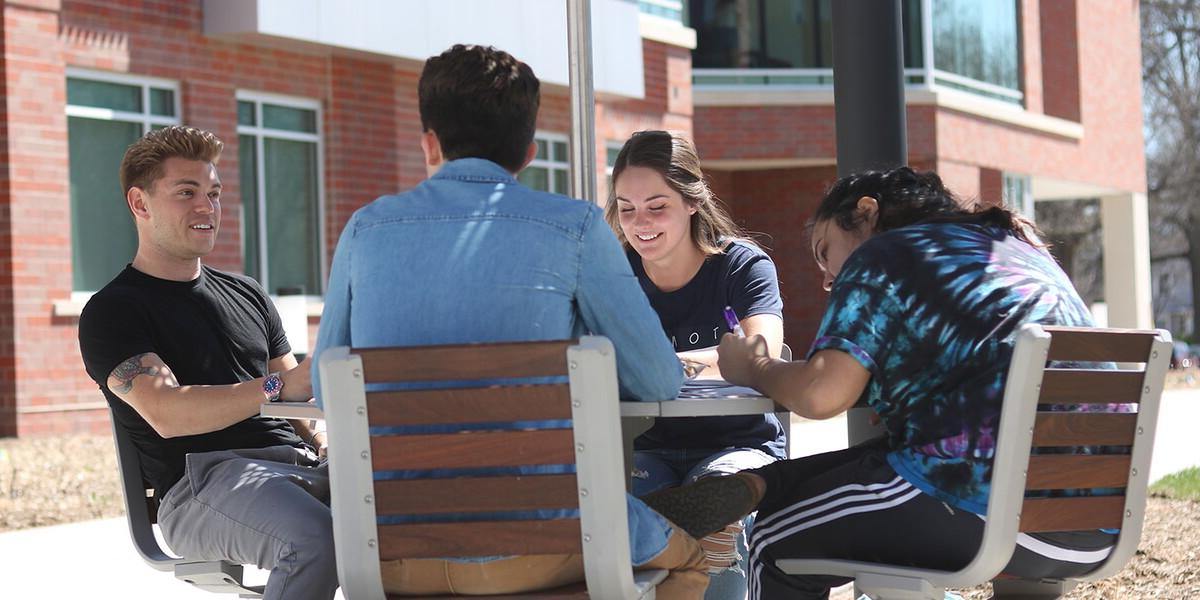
(707, 506)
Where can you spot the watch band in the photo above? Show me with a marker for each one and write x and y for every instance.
(272, 387)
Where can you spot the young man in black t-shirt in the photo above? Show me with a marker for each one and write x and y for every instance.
(185, 355)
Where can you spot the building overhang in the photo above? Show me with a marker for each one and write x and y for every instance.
(916, 95)
(414, 31)
(1049, 188)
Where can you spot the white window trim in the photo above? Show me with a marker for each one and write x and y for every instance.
(74, 305)
(259, 132)
(611, 145)
(549, 163)
(145, 83)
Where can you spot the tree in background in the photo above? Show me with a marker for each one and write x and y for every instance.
(1171, 81)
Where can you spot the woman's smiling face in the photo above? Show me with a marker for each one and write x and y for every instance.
(654, 218)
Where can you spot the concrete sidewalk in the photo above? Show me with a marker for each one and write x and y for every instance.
(97, 559)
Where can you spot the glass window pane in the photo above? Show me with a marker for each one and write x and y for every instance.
(104, 94)
(542, 152)
(289, 119)
(911, 27)
(245, 113)
(537, 178)
(103, 239)
(560, 152)
(560, 181)
(293, 232)
(610, 157)
(248, 186)
(162, 102)
(977, 40)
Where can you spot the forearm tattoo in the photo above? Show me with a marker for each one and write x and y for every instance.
(131, 368)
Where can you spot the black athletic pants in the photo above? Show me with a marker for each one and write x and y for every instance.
(852, 505)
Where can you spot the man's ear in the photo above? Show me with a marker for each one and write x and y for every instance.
(135, 199)
(432, 147)
(530, 152)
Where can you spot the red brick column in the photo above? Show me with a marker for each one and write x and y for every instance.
(39, 358)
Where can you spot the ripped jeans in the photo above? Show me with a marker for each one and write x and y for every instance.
(670, 467)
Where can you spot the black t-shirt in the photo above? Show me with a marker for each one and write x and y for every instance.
(218, 329)
(744, 278)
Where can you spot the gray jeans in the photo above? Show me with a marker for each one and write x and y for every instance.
(263, 506)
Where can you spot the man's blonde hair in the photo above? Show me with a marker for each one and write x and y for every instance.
(143, 162)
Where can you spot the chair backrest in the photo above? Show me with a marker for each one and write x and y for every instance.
(1097, 444)
(378, 433)
(1060, 457)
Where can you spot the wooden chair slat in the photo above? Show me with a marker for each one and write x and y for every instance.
(475, 494)
(1084, 429)
(1068, 471)
(477, 405)
(1071, 514)
(1087, 386)
(465, 362)
(483, 538)
(1093, 344)
(473, 449)
(574, 591)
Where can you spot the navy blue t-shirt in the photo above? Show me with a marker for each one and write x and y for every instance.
(743, 277)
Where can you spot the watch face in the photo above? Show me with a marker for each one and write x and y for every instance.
(272, 385)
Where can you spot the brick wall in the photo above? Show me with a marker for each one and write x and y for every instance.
(777, 203)
(38, 374)
(370, 136)
(1059, 37)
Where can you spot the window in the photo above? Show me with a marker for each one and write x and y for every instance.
(978, 41)
(611, 150)
(105, 113)
(1017, 193)
(279, 155)
(549, 169)
(778, 34)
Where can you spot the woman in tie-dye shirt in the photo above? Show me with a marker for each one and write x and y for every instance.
(926, 297)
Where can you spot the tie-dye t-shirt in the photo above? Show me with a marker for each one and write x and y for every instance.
(932, 312)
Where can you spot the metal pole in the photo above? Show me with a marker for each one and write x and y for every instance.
(868, 85)
(583, 102)
(868, 101)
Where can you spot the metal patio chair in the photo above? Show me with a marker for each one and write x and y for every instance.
(1140, 358)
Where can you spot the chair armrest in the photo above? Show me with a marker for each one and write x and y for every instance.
(291, 410)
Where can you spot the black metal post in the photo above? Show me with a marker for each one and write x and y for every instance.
(868, 85)
(868, 101)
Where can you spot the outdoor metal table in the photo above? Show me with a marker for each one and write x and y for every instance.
(699, 398)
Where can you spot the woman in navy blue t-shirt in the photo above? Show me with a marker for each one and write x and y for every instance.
(692, 262)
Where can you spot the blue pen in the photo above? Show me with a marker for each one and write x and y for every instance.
(732, 321)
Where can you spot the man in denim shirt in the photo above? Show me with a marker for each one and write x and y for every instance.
(471, 255)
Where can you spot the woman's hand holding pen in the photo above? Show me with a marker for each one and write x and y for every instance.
(742, 359)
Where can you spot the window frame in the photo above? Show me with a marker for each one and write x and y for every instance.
(549, 163)
(144, 118)
(259, 132)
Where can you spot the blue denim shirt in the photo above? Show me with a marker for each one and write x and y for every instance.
(471, 255)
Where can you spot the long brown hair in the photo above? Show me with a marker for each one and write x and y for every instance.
(673, 156)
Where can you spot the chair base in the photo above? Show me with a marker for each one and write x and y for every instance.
(890, 587)
(217, 576)
(1027, 589)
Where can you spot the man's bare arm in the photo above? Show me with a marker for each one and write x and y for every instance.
(305, 428)
(147, 384)
(125, 373)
